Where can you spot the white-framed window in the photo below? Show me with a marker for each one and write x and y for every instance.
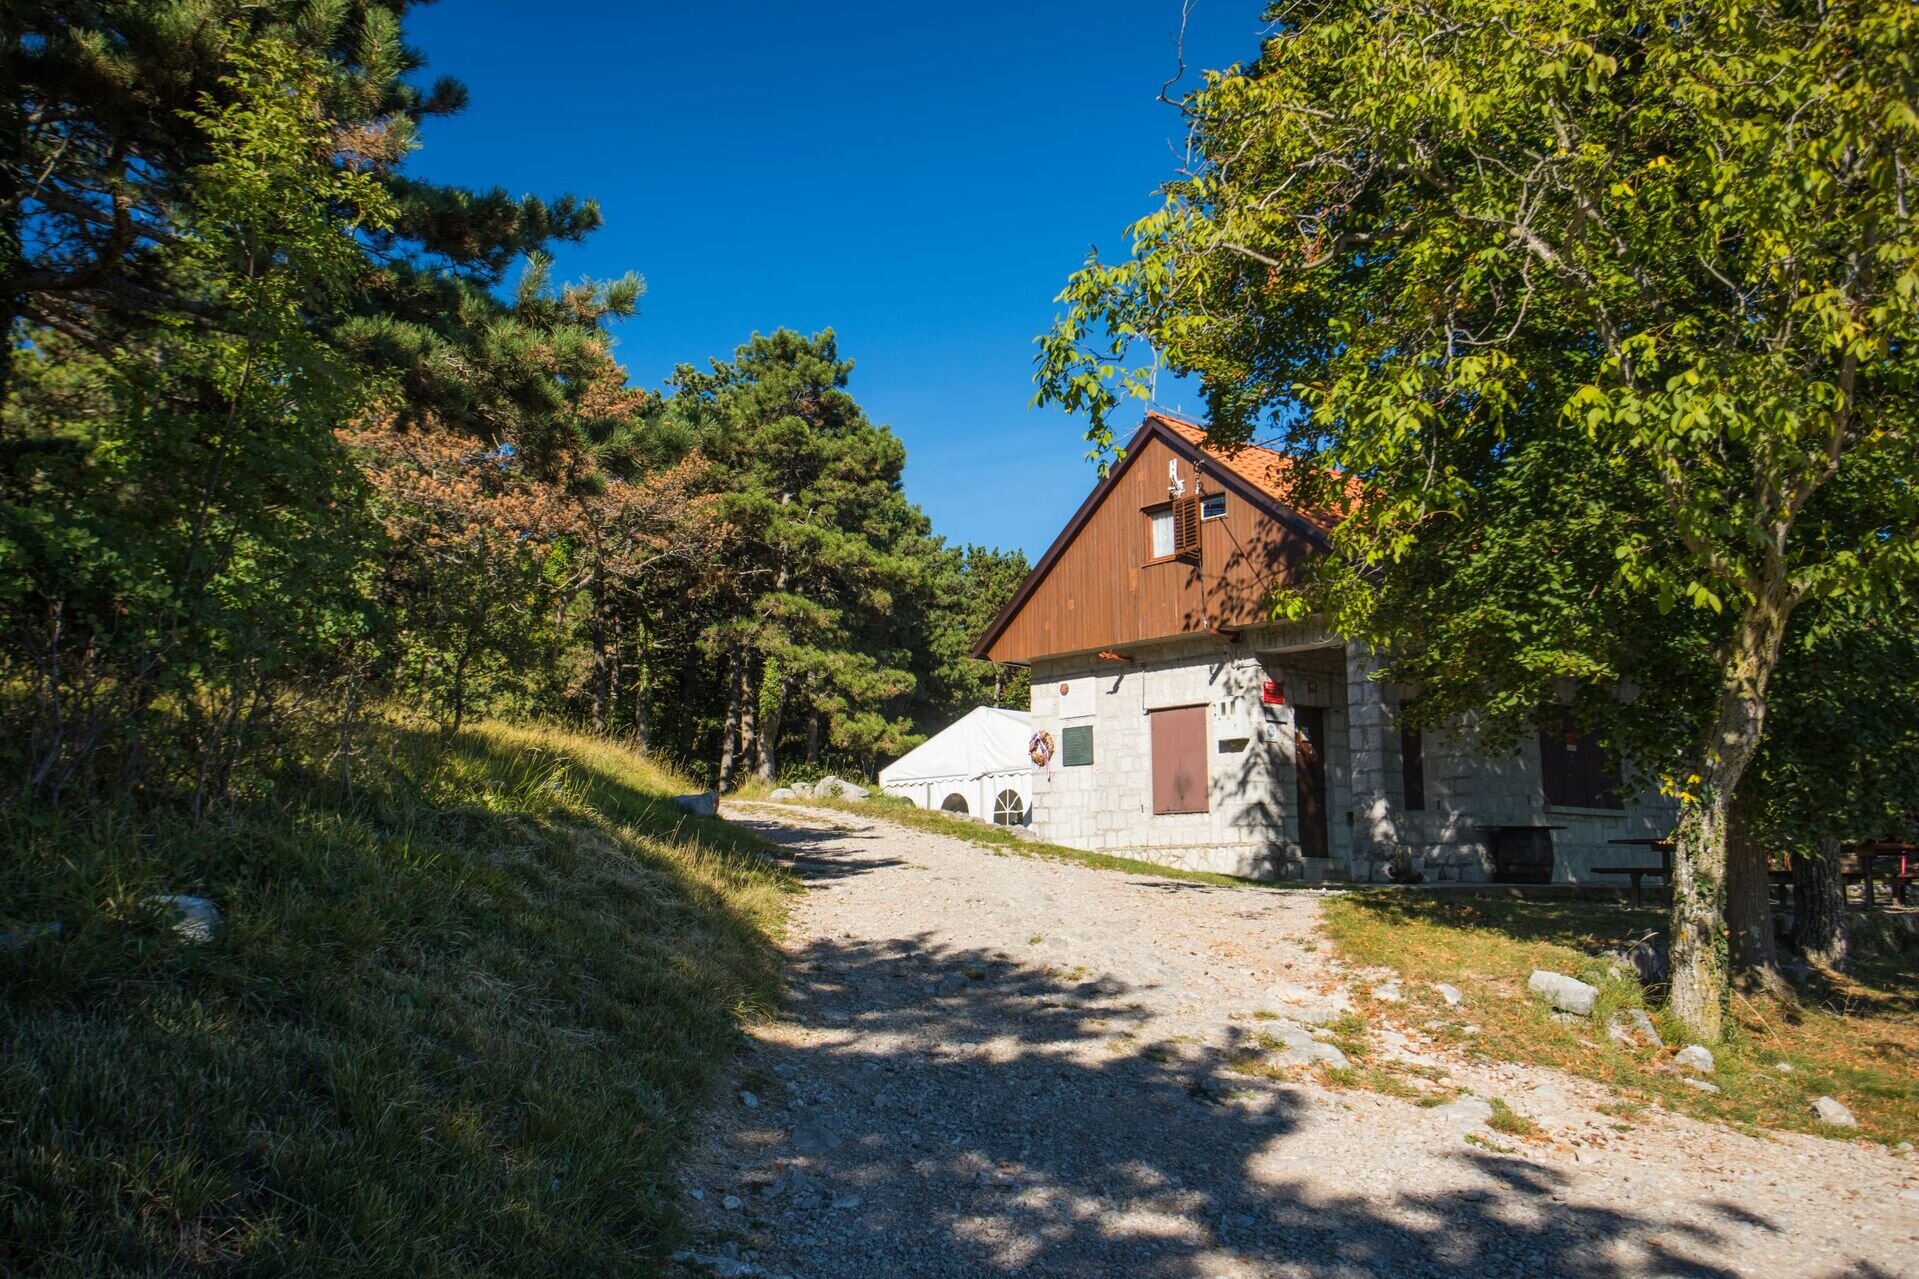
(1213, 507)
(1162, 533)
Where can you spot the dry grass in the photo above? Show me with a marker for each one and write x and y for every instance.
(1855, 1039)
(456, 1027)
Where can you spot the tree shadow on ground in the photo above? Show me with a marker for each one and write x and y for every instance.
(966, 1112)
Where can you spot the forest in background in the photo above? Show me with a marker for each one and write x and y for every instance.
(289, 435)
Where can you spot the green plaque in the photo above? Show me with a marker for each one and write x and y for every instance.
(1076, 745)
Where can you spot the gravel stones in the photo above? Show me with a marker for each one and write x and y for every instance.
(1567, 994)
(1467, 1112)
(815, 1139)
(1031, 1124)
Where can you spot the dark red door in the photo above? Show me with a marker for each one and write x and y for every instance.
(1309, 770)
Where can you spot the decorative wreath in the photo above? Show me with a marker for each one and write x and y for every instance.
(1040, 749)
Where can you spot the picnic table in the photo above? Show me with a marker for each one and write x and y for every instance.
(1663, 844)
(1856, 867)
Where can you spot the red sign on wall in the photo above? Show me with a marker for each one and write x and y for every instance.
(1272, 694)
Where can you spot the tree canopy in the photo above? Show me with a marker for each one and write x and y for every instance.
(1611, 308)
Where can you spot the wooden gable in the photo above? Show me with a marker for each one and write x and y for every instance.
(1099, 585)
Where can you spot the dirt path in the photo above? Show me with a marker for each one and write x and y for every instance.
(1005, 1065)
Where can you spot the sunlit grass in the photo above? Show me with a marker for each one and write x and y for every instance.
(1855, 1039)
(457, 1025)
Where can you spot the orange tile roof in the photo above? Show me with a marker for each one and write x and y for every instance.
(1267, 470)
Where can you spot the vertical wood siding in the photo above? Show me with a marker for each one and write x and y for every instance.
(1104, 590)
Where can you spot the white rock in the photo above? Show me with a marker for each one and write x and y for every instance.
(1466, 1112)
(1695, 1057)
(732, 1203)
(1568, 994)
(194, 918)
(1448, 993)
(1633, 1028)
(1783, 1067)
(1389, 992)
(1832, 1112)
(748, 1100)
(1700, 1085)
(697, 1193)
(704, 804)
(784, 793)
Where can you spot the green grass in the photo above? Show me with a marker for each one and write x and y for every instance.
(1509, 1121)
(1000, 840)
(456, 1027)
(1856, 1039)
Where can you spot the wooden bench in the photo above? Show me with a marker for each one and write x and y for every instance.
(1638, 873)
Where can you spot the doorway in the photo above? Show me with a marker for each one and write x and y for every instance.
(1309, 772)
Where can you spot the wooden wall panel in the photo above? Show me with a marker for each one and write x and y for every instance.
(1104, 590)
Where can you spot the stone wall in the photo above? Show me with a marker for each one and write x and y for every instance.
(1251, 827)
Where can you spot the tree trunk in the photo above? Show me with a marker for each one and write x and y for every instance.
(730, 726)
(1819, 907)
(642, 695)
(813, 737)
(768, 765)
(750, 746)
(459, 685)
(1755, 955)
(1699, 949)
(602, 680)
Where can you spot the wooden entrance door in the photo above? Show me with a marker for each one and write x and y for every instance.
(1309, 772)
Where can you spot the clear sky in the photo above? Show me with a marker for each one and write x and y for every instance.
(921, 179)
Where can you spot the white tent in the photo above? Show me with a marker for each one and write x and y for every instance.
(978, 766)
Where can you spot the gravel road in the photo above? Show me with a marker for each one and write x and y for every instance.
(997, 1064)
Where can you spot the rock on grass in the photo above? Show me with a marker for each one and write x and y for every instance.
(1567, 994)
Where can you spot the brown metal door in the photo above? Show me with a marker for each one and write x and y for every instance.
(1309, 771)
(1179, 759)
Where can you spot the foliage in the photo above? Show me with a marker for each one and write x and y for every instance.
(1647, 267)
(174, 562)
(458, 1027)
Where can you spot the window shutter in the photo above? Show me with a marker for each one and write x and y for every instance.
(1179, 760)
(1186, 518)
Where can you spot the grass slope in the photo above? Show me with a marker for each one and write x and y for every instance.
(1856, 1039)
(456, 1027)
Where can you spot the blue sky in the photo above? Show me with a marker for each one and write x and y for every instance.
(921, 180)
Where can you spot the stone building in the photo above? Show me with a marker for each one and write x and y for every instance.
(1189, 729)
